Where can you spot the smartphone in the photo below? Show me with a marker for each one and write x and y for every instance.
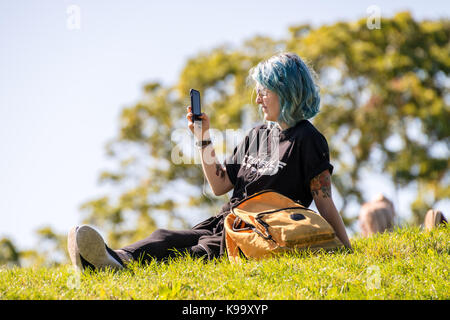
(195, 104)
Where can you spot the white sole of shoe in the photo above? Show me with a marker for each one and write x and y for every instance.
(92, 248)
(72, 247)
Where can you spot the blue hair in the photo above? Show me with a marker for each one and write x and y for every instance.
(290, 78)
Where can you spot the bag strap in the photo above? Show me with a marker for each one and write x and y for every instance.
(239, 225)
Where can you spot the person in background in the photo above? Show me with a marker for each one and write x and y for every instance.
(433, 219)
(376, 216)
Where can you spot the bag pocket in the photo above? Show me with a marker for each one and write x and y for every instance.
(295, 227)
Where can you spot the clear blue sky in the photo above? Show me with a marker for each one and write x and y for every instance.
(61, 90)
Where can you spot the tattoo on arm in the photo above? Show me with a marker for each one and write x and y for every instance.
(220, 171)
(322, 182)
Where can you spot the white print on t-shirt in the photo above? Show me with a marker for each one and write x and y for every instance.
(263, 160)
(262, 166)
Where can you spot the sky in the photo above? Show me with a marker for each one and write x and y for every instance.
(67, 69)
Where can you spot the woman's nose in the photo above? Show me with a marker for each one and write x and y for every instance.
(258, 99)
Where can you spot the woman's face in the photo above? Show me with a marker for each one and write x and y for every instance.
(269, 103)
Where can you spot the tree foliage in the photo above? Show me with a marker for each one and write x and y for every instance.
(385, 103)
(9, 254)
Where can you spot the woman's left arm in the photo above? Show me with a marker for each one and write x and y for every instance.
(321, 191)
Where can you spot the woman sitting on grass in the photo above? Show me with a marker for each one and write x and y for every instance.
(299, 169)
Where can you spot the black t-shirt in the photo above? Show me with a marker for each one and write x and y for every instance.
(267, 158)
(284, 161)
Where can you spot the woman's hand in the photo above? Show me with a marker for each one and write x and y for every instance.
(199, 129)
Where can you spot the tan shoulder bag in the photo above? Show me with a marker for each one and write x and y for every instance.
(268, 223)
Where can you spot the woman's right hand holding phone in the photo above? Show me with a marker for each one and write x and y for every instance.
(200, 129)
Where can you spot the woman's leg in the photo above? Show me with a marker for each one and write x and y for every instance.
(164, 243)
(87, 248)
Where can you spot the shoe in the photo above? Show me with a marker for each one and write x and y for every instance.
(88, 250)
(433, 218)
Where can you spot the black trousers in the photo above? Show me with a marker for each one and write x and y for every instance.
(163, 244)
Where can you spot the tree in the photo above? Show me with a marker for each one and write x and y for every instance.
(9, 254)
(385, 103)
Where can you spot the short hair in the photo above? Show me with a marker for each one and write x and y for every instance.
(293, 81)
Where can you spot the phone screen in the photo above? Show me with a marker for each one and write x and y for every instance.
(195, 103)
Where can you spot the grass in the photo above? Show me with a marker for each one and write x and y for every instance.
(406, 264)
